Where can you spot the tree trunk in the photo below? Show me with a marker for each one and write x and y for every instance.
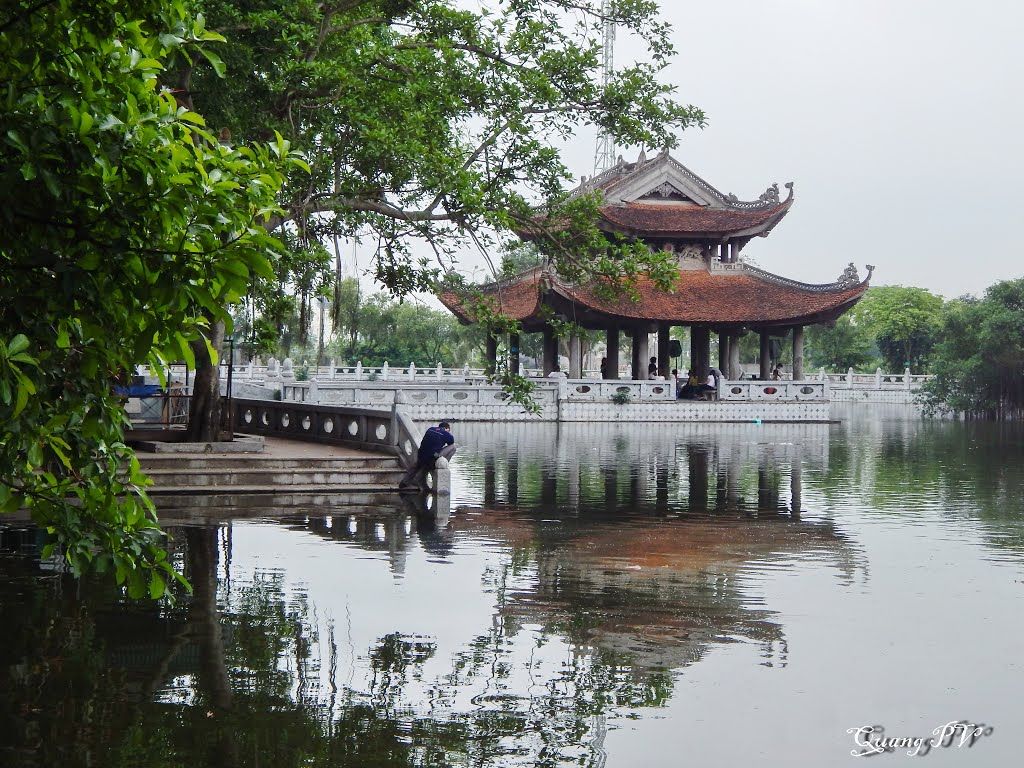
(204, 419)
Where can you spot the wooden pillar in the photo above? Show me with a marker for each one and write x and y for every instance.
(724, 341)
(798, 353)
(700, 351)
(513, 354)
(575, 358)
(734, 251)
(694, 351)
(639, 354)
(491, 353)
(723, 253)
(612, 342)
(734, 356)
(550, 353)
(664, 361)
(766, 371)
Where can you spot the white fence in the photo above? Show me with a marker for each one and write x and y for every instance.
(877, 380)
(466, 391)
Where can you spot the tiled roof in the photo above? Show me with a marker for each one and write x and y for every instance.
(730, 297)
(517, 299)
(700, 297)
(641, 218)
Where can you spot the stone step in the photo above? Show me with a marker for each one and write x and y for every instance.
(190, 462)
(327, 478)
(188, 507)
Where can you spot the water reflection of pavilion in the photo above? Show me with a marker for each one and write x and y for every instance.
(665, 468)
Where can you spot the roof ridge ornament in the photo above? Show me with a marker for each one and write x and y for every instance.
(849, 278)
(769, 198)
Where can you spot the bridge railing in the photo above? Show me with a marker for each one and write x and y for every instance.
(877, 380)
(749, 389)
(385, 431)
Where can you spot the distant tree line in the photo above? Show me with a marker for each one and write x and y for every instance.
(972, 347)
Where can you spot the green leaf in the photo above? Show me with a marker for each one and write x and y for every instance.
(186, 351)
(9, 500)
(157, 586)
(214, 357)
(18, 344)
(21, 400)
(215, 61)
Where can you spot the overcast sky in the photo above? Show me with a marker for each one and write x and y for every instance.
(900, 122)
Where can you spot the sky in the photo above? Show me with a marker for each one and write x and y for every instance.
(900, 122)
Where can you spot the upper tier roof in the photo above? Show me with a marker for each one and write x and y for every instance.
(727, 295)
(660, 197)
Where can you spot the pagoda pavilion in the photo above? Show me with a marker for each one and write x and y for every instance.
(663, 204)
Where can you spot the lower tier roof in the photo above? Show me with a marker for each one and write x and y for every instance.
(726, 296)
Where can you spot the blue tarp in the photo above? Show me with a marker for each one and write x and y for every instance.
(139, 390)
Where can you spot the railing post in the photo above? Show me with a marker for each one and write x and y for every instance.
(359, 370)
(384, 370)
(314, 393)
(399, 399)
(849, 378)
(878, 378)
(412, 371)
(906, 378)
(439, 372)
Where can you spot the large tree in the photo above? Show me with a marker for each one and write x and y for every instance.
(839, 346)
(978, 366)
(436, 121)
(904, 322)
(127, 230)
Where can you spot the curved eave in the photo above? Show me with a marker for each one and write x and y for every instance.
(717, 300)
(692, 222)
(721, 300)
(518, 299)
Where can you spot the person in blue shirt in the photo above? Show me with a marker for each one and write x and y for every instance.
(437, 441)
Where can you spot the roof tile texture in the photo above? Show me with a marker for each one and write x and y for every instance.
(700, 297)
(651, 219)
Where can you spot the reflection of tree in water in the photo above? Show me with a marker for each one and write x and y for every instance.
(614, 600)
(970, 470)
(230, 677)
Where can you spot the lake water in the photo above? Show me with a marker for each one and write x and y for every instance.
(601, 595)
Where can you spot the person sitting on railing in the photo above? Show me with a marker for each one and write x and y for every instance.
(652, 368)
(776, 373)
(437, 442)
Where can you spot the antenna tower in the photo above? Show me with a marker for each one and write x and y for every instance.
(604, 156)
